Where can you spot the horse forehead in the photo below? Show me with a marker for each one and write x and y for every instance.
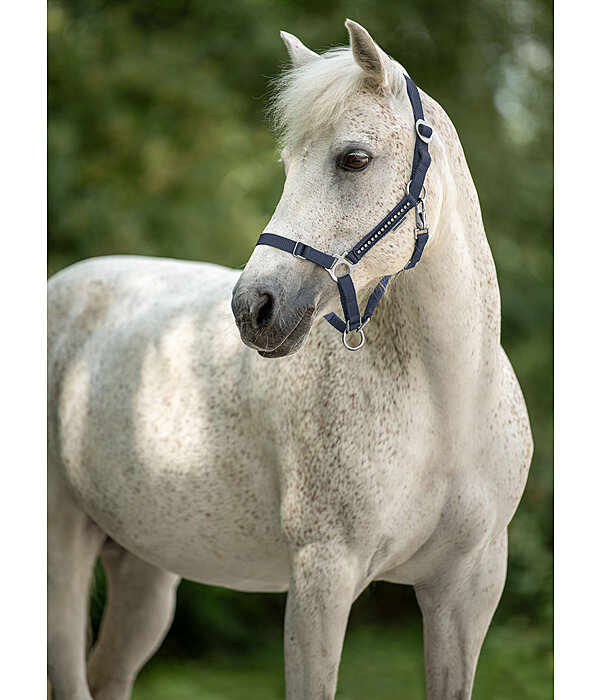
(379, 111)
(369, 119)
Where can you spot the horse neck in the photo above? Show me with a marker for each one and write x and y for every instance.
(448, 307)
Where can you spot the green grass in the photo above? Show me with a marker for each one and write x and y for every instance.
(383, 664)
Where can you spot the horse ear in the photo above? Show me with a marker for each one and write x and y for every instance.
(299, 54)
(374, 62)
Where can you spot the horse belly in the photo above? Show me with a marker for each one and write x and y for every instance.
(213, 518)
(209, 535)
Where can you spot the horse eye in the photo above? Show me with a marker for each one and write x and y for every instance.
(356, 160)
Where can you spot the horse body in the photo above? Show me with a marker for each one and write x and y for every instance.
(317, 473)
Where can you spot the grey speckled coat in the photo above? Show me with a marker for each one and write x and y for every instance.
(177, 450)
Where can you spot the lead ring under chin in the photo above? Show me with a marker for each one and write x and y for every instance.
(354, 347)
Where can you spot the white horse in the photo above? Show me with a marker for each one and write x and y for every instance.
(177, 450)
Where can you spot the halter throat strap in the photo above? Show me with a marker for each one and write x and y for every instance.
(335, 264)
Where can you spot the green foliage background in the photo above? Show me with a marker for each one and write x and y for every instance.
(157, 145)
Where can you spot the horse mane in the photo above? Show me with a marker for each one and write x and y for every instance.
(314, 96)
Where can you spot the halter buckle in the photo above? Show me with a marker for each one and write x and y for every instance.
(422, 122)
(339, 260)
(297, 255)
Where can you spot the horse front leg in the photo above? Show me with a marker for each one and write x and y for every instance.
(457, 609)
(322, 590)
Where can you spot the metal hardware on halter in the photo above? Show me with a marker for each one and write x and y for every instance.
(422, 122)
(339, 260)
(421, 199)
(399, 223)
(296, 255)
(420, 217)
(357, 330)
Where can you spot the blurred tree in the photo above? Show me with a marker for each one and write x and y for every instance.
(157, 145)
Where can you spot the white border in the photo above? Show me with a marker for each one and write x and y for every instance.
(23, 347)
(577, 340)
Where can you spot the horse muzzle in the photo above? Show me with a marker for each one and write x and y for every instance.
(270, 319)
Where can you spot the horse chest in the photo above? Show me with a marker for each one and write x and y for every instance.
(390, 467)
(363, 478)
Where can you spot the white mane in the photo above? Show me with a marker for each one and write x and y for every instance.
(315, 95)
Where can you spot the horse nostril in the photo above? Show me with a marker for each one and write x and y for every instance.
(262, 311)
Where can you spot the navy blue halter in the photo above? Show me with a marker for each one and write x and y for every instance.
(353, 320)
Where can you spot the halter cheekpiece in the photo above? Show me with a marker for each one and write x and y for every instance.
(353, 320)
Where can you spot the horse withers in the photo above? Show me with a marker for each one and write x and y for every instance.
(177, 450)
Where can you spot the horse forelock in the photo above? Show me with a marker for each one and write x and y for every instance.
(314, 96)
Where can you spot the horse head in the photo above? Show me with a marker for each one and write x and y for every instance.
(348, 134)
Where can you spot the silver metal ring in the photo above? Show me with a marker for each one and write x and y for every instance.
(339, 260)
(424, 197)
(355, 347)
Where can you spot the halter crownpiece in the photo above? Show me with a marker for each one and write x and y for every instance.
(353, 320)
